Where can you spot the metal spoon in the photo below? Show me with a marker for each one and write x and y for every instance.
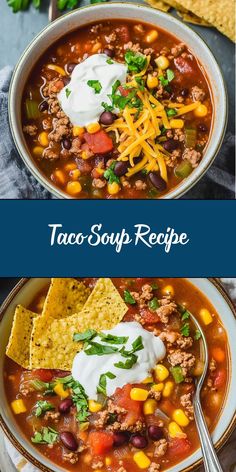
(210, 459)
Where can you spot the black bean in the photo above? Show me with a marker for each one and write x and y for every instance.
(120, 439)
(157, 181)
(69, 440)
(121, 168)
(109, 52)
(202, 127)
(155, 432)
(65, 405)
(184, 92)
(107, 118)
(71, 66)
(171, 144)
(66, 143)
(138, 441)
(43, 106)
(66, 80)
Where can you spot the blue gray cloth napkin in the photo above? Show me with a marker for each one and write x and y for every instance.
(17, 182)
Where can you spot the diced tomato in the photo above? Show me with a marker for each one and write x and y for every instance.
(134, 408)
(149, 316)
(100, 442)
(100, 142)
(45, 375)
(220, 378)
(183, 65)
(123, 33)
(124, 92)
(167, 407)
(179, 447)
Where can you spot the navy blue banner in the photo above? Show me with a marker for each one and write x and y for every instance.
(118, 238)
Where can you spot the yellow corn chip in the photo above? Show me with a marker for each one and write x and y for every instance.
(18, 348)
(191, 18)
(220, 14)
(158, 4)
(52, 345)
(65, 297)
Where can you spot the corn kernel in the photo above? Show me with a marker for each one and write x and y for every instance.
(56, 68)
(99, 170)
(176, 124)
(59, 390)
(108, 461)
(161, 372)
(175, 431)
(180, 418)
(84, 426)
(38, 151)
(75, 174)
(158, 387)
(168, 389)
(162, 62)
(139, 394)
(93, 128)
(78, 130)
(201, 111)
(113, 188)
(151, 36)
(18, 407)
(198, 368)
(70, 166)
(43, 139)
(73, 188)
(148, 380)
(206, 316)
(152, 81)
(85, 155)
(149, 406)
(94, 407)
(141, 460)
(96, 47)
(59, 176)
(169, 290)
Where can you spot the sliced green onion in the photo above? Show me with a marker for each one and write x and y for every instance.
(32, 110)
(183, 169)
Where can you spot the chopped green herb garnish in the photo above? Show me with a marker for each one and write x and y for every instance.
(177, 374)
(141, 83)
(153, 304)
(197, 335)
(42, 406)
(68, 92)
(110, 61)
(171, 112)
(128, 364)
(103, 382)
(185, 329)
(106, 106)
(79, 397)
(128, 298)
(99, 349)
(170, 75)
(136, 62)
(45, 436)
(98, 1)
(96, 85)
(154, 286)
(111, 339)
(110, 175)
(185, 315)
(86, 336)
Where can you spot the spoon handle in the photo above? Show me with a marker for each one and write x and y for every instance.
(211, 462)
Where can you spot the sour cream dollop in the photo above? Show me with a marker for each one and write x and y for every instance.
(88, 369)
(78, 100)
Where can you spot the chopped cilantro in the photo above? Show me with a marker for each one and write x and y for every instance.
(63, 4)
(128, 298)
(86, 336)
(68, 92)
(110, 175)
(42, 406)
(177, 374)
(96, 85)
(106, 106)
(110, 61)
(153, 304)
(185, 329)
(111, 339)
(185, 315)
(45, 436)
(103, 382)
(79, 397)
(197, 335)
(170, 75)
(128, 364)
(141, 83)
(171, 112)
(99, 349)
(136, 62)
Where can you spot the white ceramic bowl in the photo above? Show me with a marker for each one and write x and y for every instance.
(83, 16)
(24, 293)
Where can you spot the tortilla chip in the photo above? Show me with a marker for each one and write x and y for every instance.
(220, 14)
(158, 4)
(52, 345)
(65, 297)
(18, 348)
(191, 18)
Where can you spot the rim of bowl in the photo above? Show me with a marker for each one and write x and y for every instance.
(182, 187)
(220, 443)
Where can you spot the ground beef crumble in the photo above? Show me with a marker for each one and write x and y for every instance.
(154, 467)
(192, 156)
(197, 94)
(31, 130)
(71, 457)
(184, 359)
(186, 402)
(160, 448)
